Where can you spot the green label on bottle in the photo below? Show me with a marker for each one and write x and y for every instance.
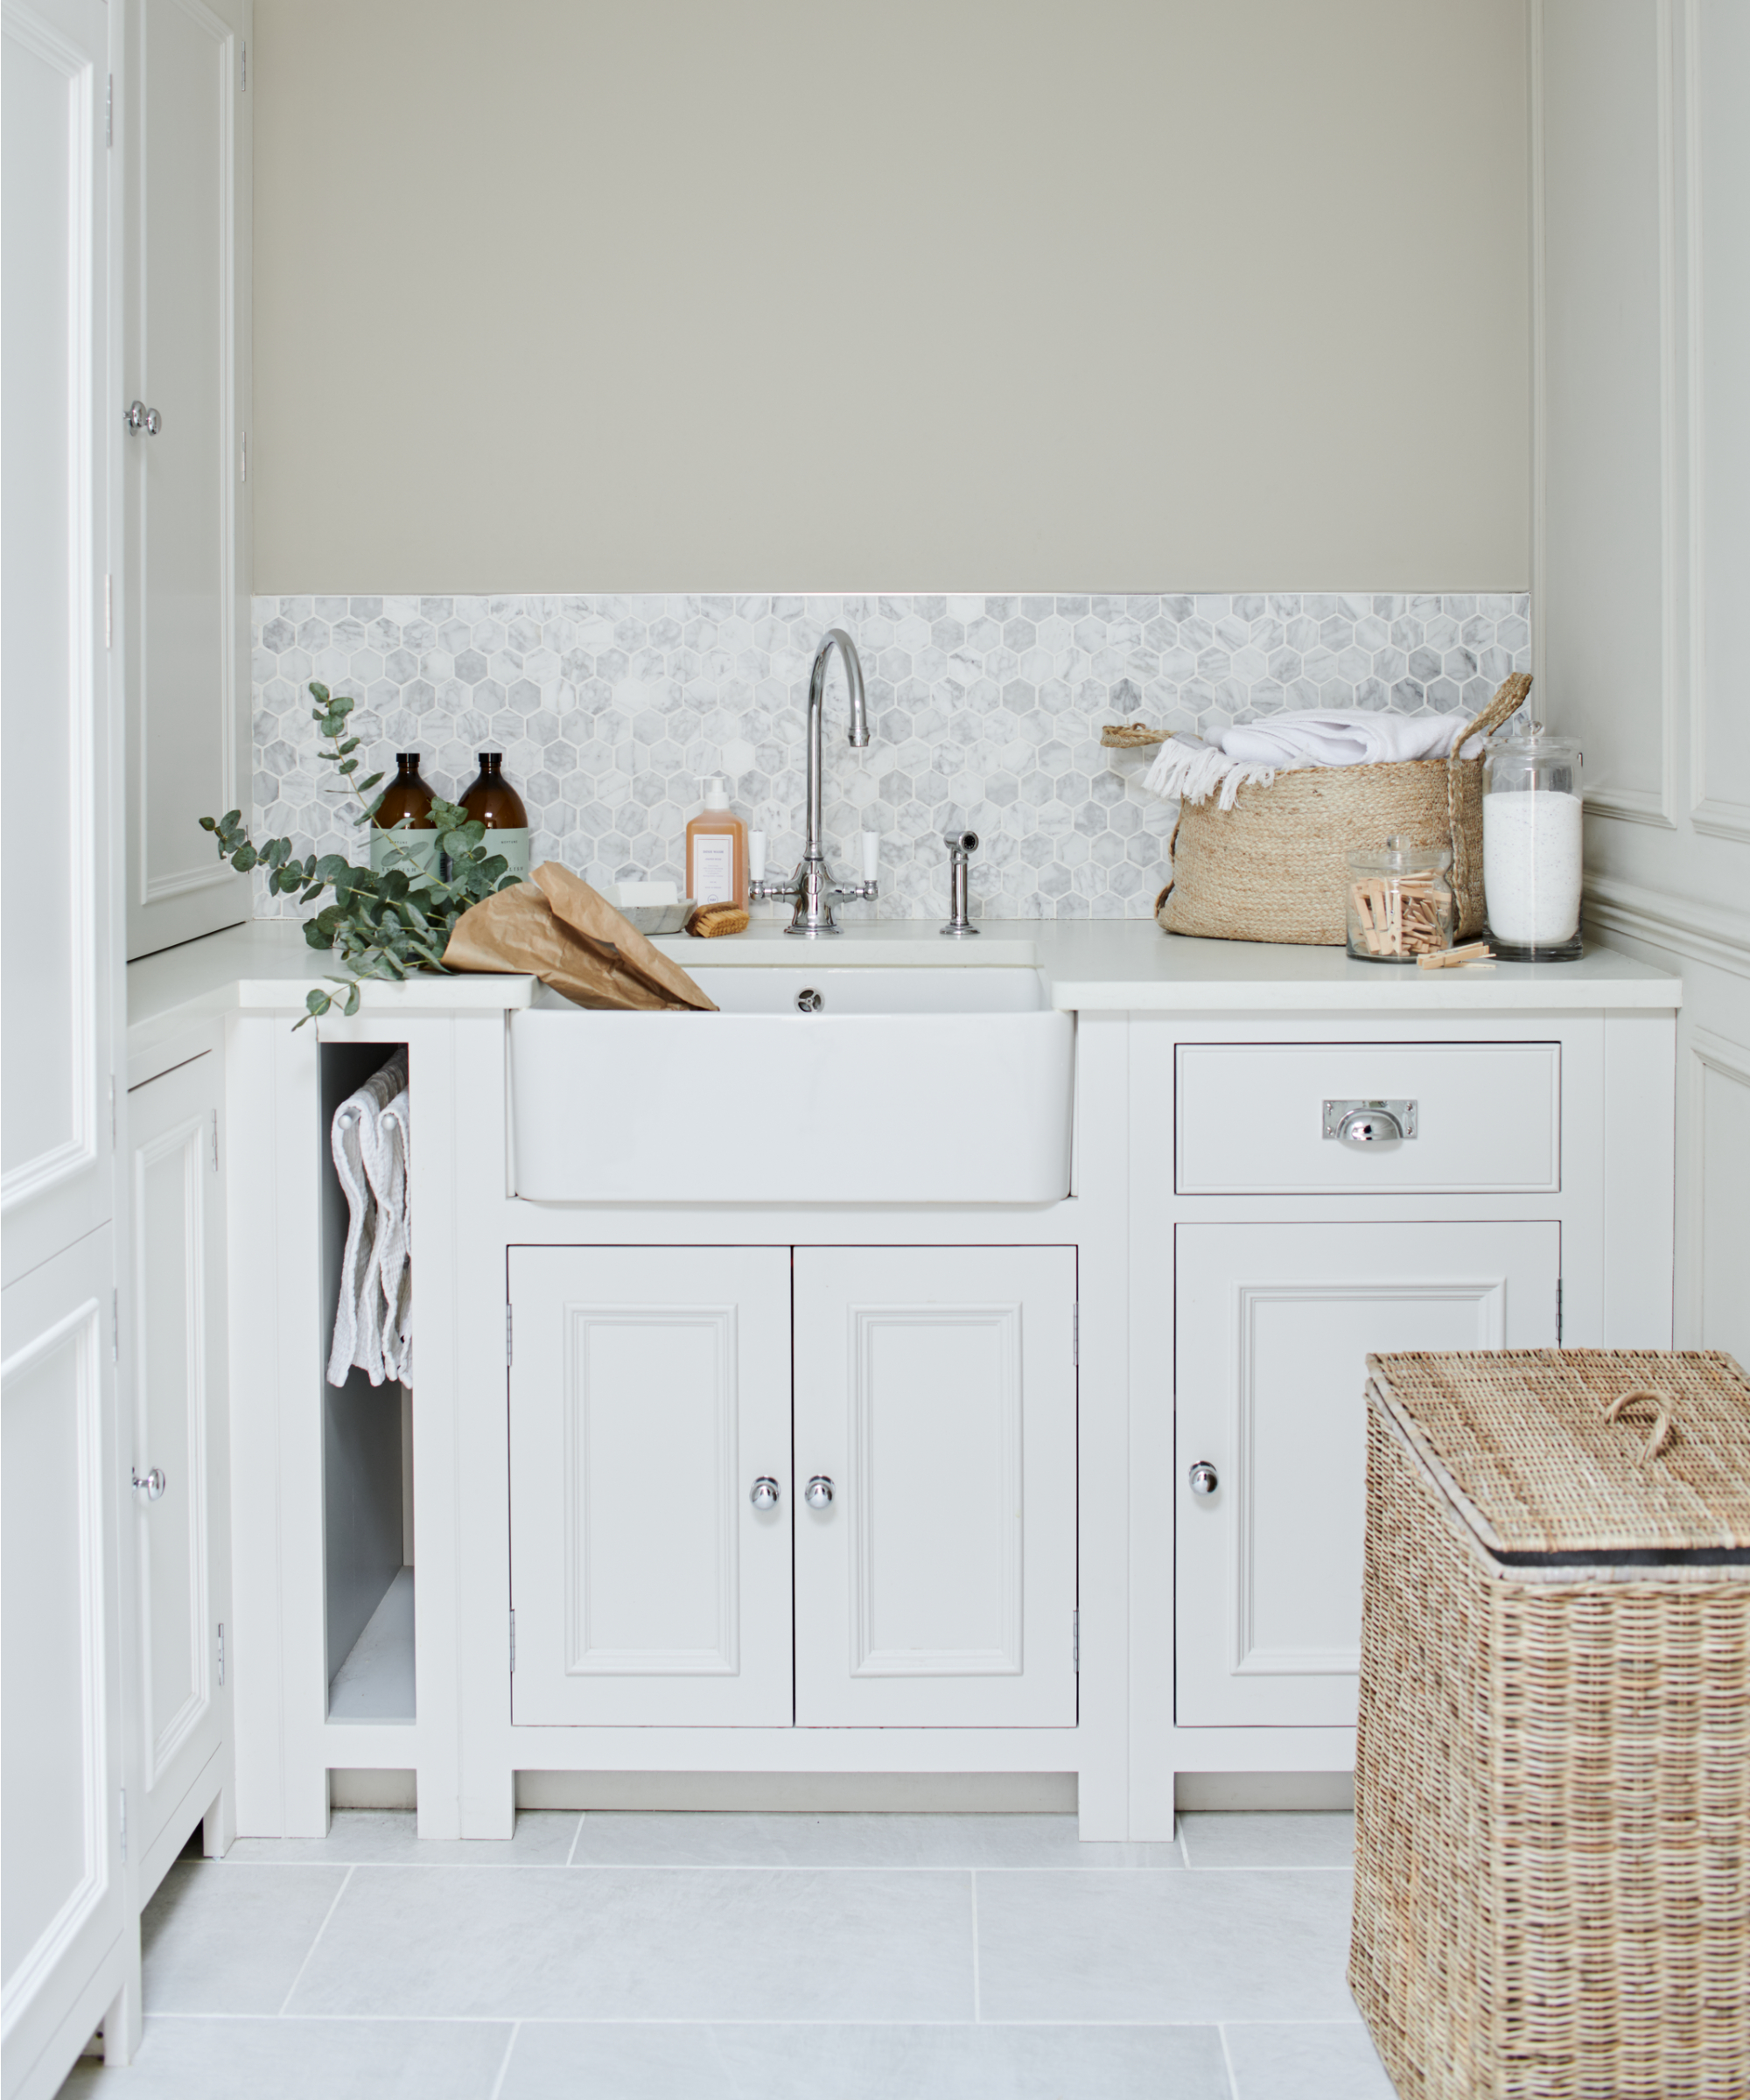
(514, 845)
(396, 848)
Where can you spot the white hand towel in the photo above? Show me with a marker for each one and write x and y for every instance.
(358, 1318)
(387, 1165)
(1343, 736)
(1187, 770)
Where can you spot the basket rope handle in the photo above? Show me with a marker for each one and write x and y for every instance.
(1662, 1416)
(1509, 696)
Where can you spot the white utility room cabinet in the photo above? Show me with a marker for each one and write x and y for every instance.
(179, 1469)
(649, 1394)
(1274, 1326)
(935, 1402)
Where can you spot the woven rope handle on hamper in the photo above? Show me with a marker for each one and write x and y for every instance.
(1661, 1417)
(1508, 695)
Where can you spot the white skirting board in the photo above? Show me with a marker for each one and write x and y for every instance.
(376, 1680)
(1240, 1791)
(806, 1793)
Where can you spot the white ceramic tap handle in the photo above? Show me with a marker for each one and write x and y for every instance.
(872, 855)
(756, 856)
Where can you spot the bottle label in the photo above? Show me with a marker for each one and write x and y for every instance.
(513, 844)
(396, 848)
(714, 868)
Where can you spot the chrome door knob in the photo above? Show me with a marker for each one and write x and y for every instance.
(1370, 1126)
(819, 1494)
(764, 1493)
(149, 1487)
(1204, 1478)
(140, 418)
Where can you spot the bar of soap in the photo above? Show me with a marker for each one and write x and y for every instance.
(623, 893)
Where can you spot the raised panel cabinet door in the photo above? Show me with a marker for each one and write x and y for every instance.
(178, 1433)
(1274, 1325)
(62, 1896)
(649, 1397)
(184, 133)
(935, 1393)
(60, 967)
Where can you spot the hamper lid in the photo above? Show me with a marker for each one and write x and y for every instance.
(1581, 1452)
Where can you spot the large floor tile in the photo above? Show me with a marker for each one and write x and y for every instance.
(1146, 1947)
(625, 1838)
(1306, 2064)
(231, 1939)
(303, 2060)
(569, 2062)
(390, 1837)
(1269, 1840)
(635, 1943)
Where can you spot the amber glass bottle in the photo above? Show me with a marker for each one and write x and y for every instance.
(492, 802)
(408, 796)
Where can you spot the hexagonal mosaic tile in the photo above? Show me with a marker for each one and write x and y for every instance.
(984, 712)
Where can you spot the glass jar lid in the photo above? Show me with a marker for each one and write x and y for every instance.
(1531, 744)
(1401, 856)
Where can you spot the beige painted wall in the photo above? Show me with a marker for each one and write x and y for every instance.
(941, 294)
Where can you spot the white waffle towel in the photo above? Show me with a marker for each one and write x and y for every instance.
(358, 1311)
(388, 1167)
(1187, 769)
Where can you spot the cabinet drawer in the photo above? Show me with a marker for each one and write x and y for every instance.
(1251, 1119)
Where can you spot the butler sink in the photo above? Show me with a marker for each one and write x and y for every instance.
(818, 1083)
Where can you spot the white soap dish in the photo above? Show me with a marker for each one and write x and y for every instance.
(653, 907)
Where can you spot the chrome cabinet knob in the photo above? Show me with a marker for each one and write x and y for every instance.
(764, 1493)
(140, 418)
(1370, 1126)
(1204, 1478)
(819, 1493)
(149, 1487)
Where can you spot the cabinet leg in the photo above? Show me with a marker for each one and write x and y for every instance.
(122, 2019)
(219, 1825)
(490, 1813)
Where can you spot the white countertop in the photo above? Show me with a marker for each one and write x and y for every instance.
(1110, 965)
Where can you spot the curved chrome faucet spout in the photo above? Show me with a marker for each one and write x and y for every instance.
(812, 887)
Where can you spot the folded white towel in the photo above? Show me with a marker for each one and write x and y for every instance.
(387, 1168)
(1342, 736)
(358, 1310)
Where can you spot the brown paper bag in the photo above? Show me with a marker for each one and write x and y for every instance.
(518, 930)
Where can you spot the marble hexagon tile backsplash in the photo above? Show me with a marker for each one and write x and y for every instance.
(984, 712)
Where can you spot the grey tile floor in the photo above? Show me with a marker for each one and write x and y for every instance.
(621, 1956)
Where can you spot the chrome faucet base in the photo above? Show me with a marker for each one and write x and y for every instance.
(958, 933)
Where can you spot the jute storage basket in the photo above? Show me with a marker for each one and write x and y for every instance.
(1552, 1773)
(1275, 867)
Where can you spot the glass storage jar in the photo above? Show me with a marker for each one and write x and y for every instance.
(1400, 902)
(1532, 843)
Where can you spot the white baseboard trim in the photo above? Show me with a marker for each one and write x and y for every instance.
(1237, 1792)
(1702, 932)
(808, 1792)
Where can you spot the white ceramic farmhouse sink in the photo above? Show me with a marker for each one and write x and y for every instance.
(818, 1083)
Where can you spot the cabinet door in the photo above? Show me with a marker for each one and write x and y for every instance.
(935, 1390)
(1274, 1326)
(63, 1895)
(180, 1538)
(650, 1392)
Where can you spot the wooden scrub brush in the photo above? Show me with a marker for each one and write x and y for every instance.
(710, 920)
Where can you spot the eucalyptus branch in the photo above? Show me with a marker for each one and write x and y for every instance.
(387, 923)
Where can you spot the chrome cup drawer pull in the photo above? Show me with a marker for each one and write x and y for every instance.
(764, 1493)
(1369, 1122)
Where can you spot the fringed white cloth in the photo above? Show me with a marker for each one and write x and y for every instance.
(364, 1320)
(1187, 769)
(389, 1169)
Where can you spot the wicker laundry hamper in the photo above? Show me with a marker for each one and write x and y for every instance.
(1552, 1776)
(1275, 867)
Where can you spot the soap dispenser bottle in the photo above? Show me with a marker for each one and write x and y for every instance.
(491, 800)
(406, 796)
(716, 850)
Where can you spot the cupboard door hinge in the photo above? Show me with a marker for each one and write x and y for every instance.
(1076, 1335)
(1558, 1312)
(243, 69)
(108, 611)
(513, 1644)
(1076, 1641)
(109, 113)
(215, 1141)
(221, 1651)
(124, 1831)
(508, 1346)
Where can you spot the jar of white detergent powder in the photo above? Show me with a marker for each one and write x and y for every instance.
(1532, 843)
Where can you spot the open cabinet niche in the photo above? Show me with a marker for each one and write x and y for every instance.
(367, 1470)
